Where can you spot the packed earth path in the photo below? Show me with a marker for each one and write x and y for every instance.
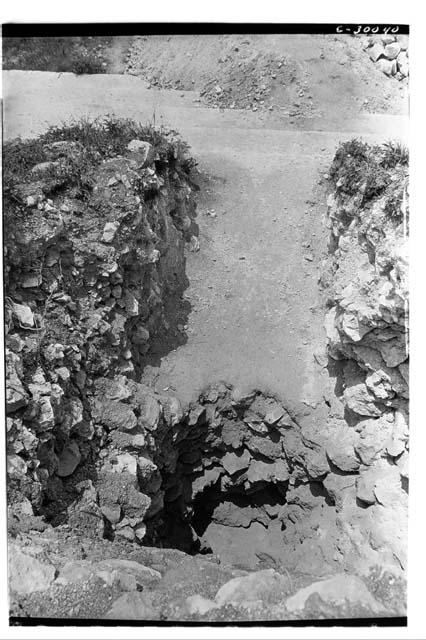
(256, 315)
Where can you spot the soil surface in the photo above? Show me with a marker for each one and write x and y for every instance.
(255, 316)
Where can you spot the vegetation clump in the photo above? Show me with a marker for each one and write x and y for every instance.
(86, 143)
(394, 154)
(61, 54)
(365, 172)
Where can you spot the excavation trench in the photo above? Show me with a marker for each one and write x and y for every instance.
(94, 276)
(95, 299)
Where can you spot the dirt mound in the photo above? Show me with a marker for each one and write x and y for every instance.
(298, 75)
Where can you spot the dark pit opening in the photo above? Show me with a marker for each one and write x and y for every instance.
(236, 509)
(188, 525)
(234, 481)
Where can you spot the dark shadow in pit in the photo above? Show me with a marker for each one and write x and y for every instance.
(176, 309)
(173, 335)
(207, 502)
(62, 493)
(65, 501)
(318, 490)
(184, 529)
(335, 370)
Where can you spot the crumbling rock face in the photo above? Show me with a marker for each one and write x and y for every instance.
(161, 474)
(231, 470)
(94, 252)
(367, 329)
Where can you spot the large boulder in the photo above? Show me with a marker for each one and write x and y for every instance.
(259, 588)
(402, 64)
(341, 451)
(28, 574)
(388, 67)
(232, 462)
(115, 415)
(69, 459)
(340, 590)
(143, 151)
(23, 315)
(392, 50)
(377, 51)
(260, 471)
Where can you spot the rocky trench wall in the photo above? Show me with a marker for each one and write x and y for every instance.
(367, 333)
(89, 272)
